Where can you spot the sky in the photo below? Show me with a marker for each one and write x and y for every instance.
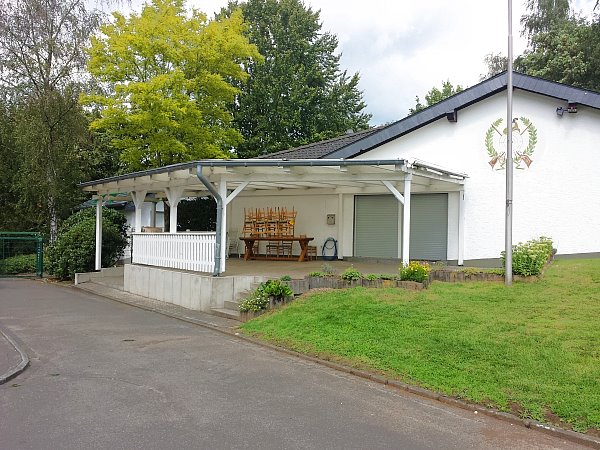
(402, 49)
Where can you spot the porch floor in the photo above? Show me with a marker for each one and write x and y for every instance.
(295, 269)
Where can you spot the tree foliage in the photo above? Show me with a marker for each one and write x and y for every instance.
(495, 63)
(168, 78)
(542, 15)
(298, 93)
(74, 249)
(436, 95)
(41, 74)
(568, 53)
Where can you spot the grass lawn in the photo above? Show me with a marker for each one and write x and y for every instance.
(533, 349)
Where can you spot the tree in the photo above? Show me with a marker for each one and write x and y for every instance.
(169, 84)
(542, 15)
(569, 52)
(298, 94)
(436, 95)
(41, 72)
(496, 63)
(9, 167)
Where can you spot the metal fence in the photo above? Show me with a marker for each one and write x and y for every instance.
(21, 254)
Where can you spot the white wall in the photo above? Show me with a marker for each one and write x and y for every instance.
(311, 219)
(558, 196)
(147, 215)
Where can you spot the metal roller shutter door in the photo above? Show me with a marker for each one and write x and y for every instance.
(429, 227)
(375, 226)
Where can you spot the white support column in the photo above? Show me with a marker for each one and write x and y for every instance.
(174, 196)
(99, 202)
(224, 246)
(400, 199)
(461, 226)
(406, 220)
(138, 200)
(340, 226)
(153, 213)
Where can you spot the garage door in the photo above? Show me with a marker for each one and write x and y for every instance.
(429, 227)
(376, 226)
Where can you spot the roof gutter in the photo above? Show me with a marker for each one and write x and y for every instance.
(219, 200)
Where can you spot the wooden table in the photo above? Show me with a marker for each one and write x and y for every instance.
(249, 241)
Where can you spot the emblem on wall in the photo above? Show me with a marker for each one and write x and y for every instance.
(524, 140)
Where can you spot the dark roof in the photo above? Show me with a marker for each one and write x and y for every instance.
(321, 149)
(375, 137)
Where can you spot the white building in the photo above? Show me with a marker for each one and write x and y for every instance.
(448, 158)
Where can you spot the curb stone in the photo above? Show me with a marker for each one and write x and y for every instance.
(19, 368)
(571, 436)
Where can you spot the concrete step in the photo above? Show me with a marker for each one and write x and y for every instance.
(227, 313)
(231, 304)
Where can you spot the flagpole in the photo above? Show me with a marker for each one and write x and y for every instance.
(509, 157)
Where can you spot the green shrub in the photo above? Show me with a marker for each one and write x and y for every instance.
(75, 246)
(18, 264)
(275, 288)
(351, 274)
(316, 274)
(259, 299)
(415, 271)
(285, 278)
(372, 277)
(529, 258)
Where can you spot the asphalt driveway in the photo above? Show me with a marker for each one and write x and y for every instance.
(107, 375)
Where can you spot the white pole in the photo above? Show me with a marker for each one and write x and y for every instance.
(224, 247)
(509, 158)
(98, 264)
(406, 220)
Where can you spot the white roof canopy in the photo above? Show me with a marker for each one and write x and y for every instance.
(263, 175)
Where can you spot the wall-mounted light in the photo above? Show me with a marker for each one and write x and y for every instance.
(571, 109)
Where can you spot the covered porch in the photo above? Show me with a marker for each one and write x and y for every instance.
(338, 181)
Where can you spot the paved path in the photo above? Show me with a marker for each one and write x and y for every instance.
(107, 375)
(9, 357)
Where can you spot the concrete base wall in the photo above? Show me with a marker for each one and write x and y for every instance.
(104, 273)
(190, 290)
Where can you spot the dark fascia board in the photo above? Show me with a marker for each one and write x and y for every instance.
(463, 99)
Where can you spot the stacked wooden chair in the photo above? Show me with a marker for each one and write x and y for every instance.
(271, 223)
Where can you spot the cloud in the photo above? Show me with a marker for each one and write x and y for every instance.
(403, 49)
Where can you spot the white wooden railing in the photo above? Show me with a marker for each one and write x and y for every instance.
(186, 251)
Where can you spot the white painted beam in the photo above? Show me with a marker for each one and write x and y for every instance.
(235, 193)
(394, 191)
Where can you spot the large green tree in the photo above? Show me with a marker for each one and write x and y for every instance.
(42, 66)
(542, 15)
(568, 53)
(436, 95)
(168, 77)
(298, 94)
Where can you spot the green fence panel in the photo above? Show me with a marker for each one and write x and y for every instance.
(21, 254)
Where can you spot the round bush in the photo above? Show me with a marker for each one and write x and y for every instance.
(75, 246)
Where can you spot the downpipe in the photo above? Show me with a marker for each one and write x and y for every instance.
(219, 200)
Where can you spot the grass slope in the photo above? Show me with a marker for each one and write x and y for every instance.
(533, 348)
